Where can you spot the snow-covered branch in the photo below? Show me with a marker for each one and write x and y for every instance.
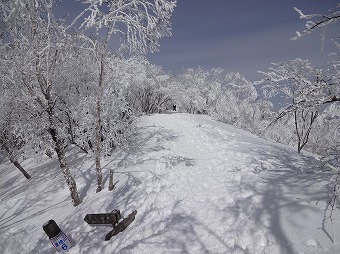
(314, 21)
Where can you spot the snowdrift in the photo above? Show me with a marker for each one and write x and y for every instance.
(199, 186)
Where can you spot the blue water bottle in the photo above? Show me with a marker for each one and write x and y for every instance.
(57, 237)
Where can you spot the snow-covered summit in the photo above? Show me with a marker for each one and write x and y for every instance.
(199, 186)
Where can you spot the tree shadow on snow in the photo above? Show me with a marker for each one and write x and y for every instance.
(163, 224)
(292, 182)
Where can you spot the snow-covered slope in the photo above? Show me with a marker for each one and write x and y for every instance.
(199, 186)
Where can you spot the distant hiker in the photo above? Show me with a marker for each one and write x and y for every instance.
(174, 107)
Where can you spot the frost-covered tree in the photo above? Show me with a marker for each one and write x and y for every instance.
(323, 21)
(141, 23)
(187, 93)
(239, 86)
(194, 90)
(39, 51)
(238, 105)
(298, 81)
(12, 140)
(331, 79)
(325, 140)
(75, 85)
(117, 115)
(146, 90)
(317, 21)
(229, 98)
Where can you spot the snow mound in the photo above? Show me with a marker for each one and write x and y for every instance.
(199, 186)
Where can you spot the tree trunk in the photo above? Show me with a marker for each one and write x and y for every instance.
(58, 146)
(22, 170)
(303, 131)
(13, 159)
(71, 183)
(98, 127)
(111, 186)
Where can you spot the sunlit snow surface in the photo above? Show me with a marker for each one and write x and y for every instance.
(199, 186)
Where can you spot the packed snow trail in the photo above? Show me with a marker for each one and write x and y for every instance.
(199, 186)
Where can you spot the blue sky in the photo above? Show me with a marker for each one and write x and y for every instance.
(243, 36)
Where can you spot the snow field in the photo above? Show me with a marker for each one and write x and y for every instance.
(198, 186)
